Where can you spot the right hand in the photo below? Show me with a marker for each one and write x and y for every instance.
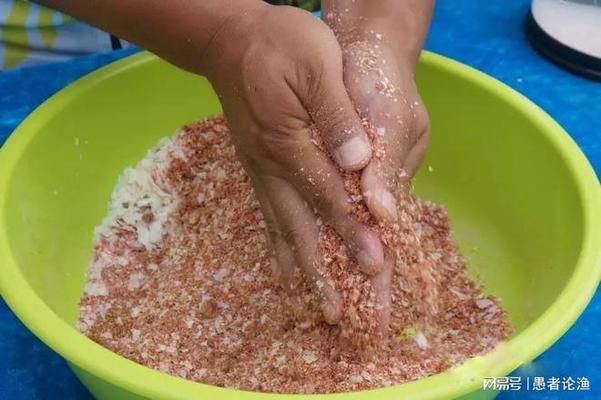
(278, 71)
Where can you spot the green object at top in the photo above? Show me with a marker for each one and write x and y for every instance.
(310, 5)
(524, 203)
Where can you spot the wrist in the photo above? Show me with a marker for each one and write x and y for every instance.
(398, 25)
(230, 37)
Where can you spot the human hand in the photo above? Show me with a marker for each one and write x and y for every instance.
(278, 72)
(382, 88)
(381, 42)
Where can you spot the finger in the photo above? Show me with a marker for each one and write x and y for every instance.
(378, 181)
(283, 263)
(381, 286)
(288, 151)
(282, 258)
(319, 182)
(299, 228)
(404, 148)
(286, 263)
(391, 144)
(374, 86)
(417, 154)
(377, 87)
(334, 115)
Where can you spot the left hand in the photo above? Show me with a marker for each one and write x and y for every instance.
(382, 87)
(384, 93)
(379, 60)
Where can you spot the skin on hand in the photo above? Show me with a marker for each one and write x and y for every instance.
(381, 42)
(275, 81)
(386, 96)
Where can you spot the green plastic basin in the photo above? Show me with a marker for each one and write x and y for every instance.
(524, 203)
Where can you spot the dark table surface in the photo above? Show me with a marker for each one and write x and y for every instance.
(486, 35)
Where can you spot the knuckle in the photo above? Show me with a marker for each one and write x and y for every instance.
(292, 237)
(343, 221)
(335, 119)
(273, 231)
(335, 124)
(277, 145)
(422, 121)
(333, 206)
(418, 126)
(423, 132)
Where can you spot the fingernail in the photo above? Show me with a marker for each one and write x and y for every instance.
(382, 204)
(354, 153)
(388, 203)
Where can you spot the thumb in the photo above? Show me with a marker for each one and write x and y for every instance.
(338, 123)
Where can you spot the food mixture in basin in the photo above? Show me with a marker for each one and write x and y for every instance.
(180, 280)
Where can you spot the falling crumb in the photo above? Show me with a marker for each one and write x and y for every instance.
(421, 341)
(96, 289)
(309, 356)
(221, 273)
(135, 280)
(484, 303)
(281, 361)
(430, 168)
(190, 292)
